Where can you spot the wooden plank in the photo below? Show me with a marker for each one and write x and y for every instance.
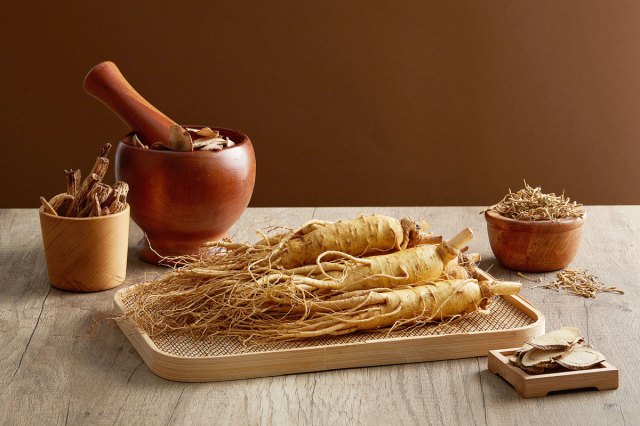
(79, 372)
(22, 292)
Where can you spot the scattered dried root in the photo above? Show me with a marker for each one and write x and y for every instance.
(528, 278)
(579, 282)
(532, 204)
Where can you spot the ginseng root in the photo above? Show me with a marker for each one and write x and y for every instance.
(414, 265)
(363, 236)
(436, 301)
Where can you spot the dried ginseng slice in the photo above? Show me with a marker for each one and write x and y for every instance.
(541, 358)
(558, 339)
(523, 350)
(516, 358)
(581, 358)
(180, 139)
(206, 132)
(135, 141)
(47, 207)
(213, 146)
(61, 202)
(73, 180)
(533, 370)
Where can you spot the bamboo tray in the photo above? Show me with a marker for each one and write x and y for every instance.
(512, 321)
(603, 376)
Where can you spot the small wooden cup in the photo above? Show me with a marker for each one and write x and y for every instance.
(87, 253)
(534, 246)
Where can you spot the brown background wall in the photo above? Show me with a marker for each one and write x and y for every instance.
(347, 102)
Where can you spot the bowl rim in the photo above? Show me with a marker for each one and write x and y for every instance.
(492, 216)
(245, 140)
(85, 219)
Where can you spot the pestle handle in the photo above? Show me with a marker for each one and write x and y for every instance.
(106, 83)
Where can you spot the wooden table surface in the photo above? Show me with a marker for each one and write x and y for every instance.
(62, 361)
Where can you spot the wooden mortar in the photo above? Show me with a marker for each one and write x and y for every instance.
(179, 199)
(184, 199)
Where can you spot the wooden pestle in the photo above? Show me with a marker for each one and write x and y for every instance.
(106, 83)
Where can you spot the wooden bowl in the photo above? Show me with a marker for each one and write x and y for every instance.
(86, 253)
(183, 199)
(534, 246)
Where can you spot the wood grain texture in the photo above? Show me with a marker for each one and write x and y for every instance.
(106, 83)
(57, 366)
(87, 253)
(534, 246)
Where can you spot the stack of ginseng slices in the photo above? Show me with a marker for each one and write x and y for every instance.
(324, 278)
(562, 349)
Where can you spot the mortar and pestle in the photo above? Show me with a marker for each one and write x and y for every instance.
(179, 199)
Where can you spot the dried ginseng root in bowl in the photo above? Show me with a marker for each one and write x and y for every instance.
(186, 139)
(533, 204)
(562, 349)
(90, 197)
(531, 231)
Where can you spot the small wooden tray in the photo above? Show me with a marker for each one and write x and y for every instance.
(602, 377)
(512, 321)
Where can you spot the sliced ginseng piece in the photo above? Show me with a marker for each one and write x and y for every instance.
(541, 358)
(73, 180)
(519, 353)
(119, 188)
(104, 151)
(95, 206)
(158, 146)
(180, 139)
(212, 146)
(61, 202)
(102, 162)
(135, 141)
(580, 358)
(205, 132)
(82, 194)
(47, 207)
(558, 339)
(524, 349)
(533, 370)
(101, 192)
